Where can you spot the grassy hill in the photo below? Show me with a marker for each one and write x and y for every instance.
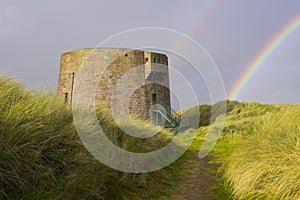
(42, 157)
(260, 152)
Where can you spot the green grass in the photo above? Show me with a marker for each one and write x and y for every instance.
(208, 113)
(42, 157)
(268, 161)
(260, 153)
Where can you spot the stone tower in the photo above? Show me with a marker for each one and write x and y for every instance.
(123, 70)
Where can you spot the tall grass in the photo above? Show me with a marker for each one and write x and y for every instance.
(205, 114)
(266, 164)
(42, 157)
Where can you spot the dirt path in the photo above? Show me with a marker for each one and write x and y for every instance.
(197, 185)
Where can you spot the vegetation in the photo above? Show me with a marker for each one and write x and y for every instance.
(42, 157)
(260, 153)
(208, 113)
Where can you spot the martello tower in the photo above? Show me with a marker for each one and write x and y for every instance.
(145, 67)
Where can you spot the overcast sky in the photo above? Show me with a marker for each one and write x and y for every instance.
(33, 35)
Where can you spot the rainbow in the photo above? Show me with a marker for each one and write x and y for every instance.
(205, 9)
(263, 55)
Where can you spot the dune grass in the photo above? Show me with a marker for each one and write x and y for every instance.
(260, 153)
(42, 157)
(206, 113)
(267, 163)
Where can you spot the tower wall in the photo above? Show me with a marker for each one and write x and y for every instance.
(117, 63)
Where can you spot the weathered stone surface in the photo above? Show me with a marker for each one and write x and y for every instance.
(127, 78)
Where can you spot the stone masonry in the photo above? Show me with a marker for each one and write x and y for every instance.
(143, 73)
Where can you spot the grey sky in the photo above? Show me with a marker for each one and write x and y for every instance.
(33, 35)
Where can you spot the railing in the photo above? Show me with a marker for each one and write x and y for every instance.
(168, 117)
(171, 116)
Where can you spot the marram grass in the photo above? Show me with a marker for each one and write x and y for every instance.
(266, 163)
(42, 157)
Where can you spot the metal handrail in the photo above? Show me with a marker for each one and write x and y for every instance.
(168, 117)
(168, 107)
